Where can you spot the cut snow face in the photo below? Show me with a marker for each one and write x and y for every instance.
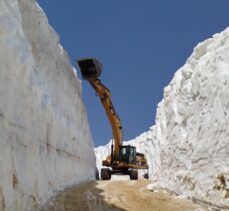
(45, 141)
(188, 148)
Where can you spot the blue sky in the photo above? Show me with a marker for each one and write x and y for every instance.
(140, 44)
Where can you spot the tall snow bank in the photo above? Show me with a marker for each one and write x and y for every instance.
(188, 148)
(192, 132)
(45, 142)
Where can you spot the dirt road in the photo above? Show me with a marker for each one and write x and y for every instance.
(118, 195)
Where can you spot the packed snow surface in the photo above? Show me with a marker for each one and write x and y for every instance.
(188, 148)
(45, 141)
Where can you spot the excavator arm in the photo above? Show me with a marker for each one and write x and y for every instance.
(91, 70)
(105, 97)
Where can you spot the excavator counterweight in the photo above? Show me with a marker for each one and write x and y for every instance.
(123, 159)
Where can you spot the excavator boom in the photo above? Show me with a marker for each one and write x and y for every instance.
(91, 69)
(113, 117)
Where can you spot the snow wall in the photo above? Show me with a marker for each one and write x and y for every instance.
(45, 141)
(188, 148)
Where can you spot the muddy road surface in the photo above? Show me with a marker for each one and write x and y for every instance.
(118, 195)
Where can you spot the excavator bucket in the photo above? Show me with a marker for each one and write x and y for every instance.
(90, 68)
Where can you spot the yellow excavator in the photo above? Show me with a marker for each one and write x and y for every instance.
(123, 159)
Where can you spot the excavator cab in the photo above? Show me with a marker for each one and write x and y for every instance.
(90, 68)
(127, 154)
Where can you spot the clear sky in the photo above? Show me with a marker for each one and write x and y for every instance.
(141, 43)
